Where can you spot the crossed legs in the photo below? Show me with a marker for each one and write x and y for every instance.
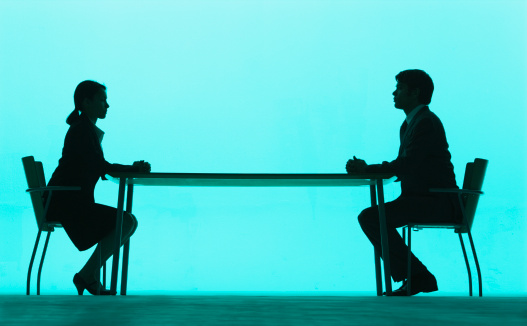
(91, 268)
(398, 213)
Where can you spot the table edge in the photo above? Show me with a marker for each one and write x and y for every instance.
(249, 176)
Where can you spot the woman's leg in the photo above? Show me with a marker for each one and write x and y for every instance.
(91, 268)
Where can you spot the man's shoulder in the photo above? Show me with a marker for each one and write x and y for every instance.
(426, 114)
(426, 120)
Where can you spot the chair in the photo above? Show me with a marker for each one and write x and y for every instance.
(468, 199)
(37, 188)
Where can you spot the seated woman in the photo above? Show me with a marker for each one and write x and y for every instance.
(82, 164)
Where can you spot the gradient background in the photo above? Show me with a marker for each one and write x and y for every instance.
(270, 87)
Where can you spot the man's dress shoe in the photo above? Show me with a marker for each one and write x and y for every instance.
(425, 282)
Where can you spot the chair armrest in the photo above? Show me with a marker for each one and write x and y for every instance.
(457, 191)
(53, 188)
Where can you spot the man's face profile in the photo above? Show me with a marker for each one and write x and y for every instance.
(402, 98)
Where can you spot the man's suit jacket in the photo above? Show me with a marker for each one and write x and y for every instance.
(423, 161)
(82, 163)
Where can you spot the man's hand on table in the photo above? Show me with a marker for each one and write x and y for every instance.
(356, 166)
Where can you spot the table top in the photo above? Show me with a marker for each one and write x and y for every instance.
(252, 179)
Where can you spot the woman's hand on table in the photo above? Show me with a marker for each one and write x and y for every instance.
(142, 166)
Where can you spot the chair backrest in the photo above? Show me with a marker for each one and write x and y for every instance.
(35, 179)
(474, 176)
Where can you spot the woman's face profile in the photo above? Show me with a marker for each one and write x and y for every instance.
(96, 107)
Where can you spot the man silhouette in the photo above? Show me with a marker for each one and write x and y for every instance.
(423, 162)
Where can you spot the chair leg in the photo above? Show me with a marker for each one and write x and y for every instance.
(104, 275)
(98, 249)
(468, 266)
(42, 261)
(31, 261)
(378, 274)
(409, 272)
(477, 263)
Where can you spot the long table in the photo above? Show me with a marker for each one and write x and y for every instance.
(375, 181)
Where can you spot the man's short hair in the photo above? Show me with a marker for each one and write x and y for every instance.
(417, 79)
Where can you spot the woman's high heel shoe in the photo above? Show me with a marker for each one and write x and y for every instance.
(81, 285)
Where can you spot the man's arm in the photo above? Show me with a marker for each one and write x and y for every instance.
(419, 145)
(423, 140)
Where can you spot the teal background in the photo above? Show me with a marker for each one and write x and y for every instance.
(270, 87)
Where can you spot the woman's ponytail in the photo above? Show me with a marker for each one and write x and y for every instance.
(74, 116)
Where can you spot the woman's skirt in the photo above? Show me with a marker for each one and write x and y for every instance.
(86, 223)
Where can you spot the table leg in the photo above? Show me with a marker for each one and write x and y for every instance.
(384, 238)
(126, 247)
(118, 233)
(378, 277)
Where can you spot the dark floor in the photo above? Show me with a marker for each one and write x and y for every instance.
(260, 310)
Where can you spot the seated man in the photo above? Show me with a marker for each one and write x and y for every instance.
(423, 162)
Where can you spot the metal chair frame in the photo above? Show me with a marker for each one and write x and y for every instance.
(463, 195)
(35, 175)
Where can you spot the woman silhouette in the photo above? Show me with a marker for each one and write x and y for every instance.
(82, 164)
